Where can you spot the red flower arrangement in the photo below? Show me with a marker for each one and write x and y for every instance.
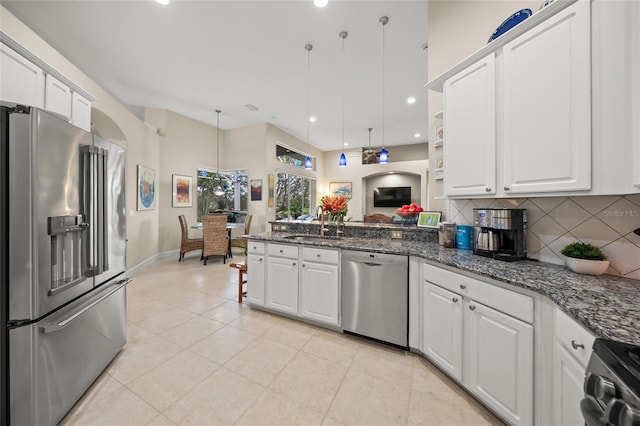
(334, 205)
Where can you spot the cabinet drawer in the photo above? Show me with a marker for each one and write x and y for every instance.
(570, 333)
(282, 250)
(256, 247)
(511, 303)
(320, 255)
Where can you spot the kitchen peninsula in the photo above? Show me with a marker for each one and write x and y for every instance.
(467, 314)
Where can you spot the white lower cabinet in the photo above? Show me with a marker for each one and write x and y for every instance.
(320, 290)
(442, 330)
(255, 279)
(256, 261)
(489, 351)
(572, 346)
(282, 284)
(499, 362)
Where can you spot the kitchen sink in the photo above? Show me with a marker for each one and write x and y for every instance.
(305, 237)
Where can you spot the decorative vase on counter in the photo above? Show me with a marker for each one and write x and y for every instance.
(586, 266)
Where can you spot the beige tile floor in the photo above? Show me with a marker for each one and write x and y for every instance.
(195, 356)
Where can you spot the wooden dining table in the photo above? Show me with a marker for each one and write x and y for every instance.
(230, 226)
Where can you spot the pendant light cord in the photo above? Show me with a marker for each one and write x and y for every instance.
(308, 47)
(384, 21)
(343, 79)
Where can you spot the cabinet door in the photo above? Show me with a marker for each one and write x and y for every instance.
(320, 290)
(282, 285)
(57, 97)
(568, 382)
(255, 279)
(81, 112)
(547, 105)
(470, 131)
(20, 80)
(442, 328)
(499, 362)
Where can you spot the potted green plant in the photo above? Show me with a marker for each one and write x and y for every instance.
(585, 259)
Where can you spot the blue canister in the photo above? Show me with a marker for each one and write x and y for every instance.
(464, 237)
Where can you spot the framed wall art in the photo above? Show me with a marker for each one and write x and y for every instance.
(429, 219)
(146, 188)
(271, 186)
(256, 189)
(181, 191)
(341, 188)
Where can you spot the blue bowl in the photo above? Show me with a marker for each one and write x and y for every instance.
(510, 22)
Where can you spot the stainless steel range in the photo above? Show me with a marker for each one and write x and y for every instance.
(62, 276)
(612, 385)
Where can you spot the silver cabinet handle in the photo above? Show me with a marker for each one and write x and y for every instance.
(281, 251)
(318, 255)
(506, 188)
(304, 265)
(294, 263)
(575, 345)
(454, 300)
(463, 286)
(472, 308)
(487, 189)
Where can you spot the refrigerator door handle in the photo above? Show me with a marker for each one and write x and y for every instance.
(59, 325)
(95, 196)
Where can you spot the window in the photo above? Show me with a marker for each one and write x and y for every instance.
(288, 156)
(294, 195)
(234, 184)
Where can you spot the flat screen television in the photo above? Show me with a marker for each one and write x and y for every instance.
(391, 197)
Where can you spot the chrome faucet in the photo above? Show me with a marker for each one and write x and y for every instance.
(321, 218)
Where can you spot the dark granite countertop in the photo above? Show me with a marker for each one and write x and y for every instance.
(607, 305)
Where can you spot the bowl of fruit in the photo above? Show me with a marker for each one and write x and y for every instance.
(409, 211)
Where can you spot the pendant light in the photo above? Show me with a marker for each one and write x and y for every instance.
(217, 187)
(308, 164)
(343, 158)
(384, 154)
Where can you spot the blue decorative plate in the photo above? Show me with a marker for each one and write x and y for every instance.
(510, 22)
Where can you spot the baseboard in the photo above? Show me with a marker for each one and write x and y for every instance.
(150, 261)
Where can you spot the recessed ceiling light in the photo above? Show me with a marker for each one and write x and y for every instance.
(320, 3)
(312, 119)
(163, 2)
(346, 144)
(411, 100)
(416, 135)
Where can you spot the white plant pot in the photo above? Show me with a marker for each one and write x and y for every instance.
(586, 266)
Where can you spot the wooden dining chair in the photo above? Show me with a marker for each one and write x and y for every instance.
(242, 241)
(216, 239)
(186, 243)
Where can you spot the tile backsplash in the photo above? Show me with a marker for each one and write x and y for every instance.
(553, 222)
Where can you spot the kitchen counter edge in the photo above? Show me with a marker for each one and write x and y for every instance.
(607, 305)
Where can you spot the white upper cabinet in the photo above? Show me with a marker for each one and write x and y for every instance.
(547, 105)
(57, 97)
(21, 81)
(81, 111)
(470, 129)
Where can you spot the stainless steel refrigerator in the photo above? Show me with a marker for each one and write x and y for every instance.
(62, 263)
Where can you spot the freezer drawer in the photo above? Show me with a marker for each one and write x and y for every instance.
(54, 361)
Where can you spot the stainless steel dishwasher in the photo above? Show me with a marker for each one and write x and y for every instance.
(375, 296)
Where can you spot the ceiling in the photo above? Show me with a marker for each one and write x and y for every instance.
(193, 57)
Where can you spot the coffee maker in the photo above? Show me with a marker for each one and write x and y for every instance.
(500, 233)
